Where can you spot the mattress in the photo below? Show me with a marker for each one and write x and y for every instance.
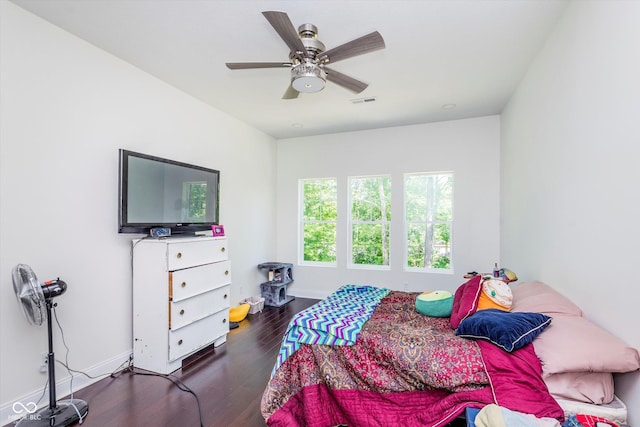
(615, 411)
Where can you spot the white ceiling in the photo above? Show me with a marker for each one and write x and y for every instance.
(471, 53)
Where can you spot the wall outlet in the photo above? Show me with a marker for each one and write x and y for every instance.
(44, 362)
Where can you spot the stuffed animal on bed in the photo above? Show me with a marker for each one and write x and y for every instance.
(495, 294)
(435, 303)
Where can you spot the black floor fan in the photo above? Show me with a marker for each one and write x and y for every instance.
(36, 301)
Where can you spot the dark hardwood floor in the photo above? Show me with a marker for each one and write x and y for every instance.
(228, 381)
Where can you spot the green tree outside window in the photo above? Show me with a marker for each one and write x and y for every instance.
(429, 217)
(370, 220)
(319, 219)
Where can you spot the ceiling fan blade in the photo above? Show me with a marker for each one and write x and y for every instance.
(291, 93)
(359, 46)
(246, 65)
(282, 24)
(345, 81)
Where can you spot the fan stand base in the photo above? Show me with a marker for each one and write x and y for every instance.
(65, 413)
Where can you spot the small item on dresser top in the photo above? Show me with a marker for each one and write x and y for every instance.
(160, 232)
(217, 230)
(435, 303)
(496, 271)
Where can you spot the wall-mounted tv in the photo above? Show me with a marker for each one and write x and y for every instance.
(156, 192)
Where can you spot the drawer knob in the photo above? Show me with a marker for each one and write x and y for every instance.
(183, 284)
(222, 249)
(224, 320)
(226, 272)
(181, 312)
(225, 296)
(179, 255)
(179, 342)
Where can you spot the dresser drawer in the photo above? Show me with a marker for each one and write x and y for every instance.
(190, 338)
(189, 310)
(193, 281)
(193, 253)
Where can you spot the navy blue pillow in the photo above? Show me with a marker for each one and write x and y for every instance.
(508, 330)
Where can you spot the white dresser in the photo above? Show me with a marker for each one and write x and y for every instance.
(180, 299)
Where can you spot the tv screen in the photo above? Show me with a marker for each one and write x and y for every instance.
(157, 192)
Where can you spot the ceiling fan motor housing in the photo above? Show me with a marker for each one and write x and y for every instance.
(309, 37)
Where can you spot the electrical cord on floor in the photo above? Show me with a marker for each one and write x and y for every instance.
(44, 390)
(115, 373)
(178, 382)
(112, 374)
(66, 358)
(181, 386)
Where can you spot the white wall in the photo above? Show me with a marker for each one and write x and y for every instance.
(570, 152)
(66, 108)
(469, 148)
(569, 183)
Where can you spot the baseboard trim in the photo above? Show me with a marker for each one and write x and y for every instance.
(306, 293)
(63, 386)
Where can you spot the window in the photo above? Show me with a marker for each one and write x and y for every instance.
(318, 220)
(428, 218)
(370, 221)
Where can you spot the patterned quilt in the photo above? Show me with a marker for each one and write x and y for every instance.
(403, 369)
(336, 320)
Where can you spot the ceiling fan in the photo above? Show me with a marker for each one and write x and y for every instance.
(309, 59)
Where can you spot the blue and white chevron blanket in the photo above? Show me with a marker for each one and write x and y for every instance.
(336, 320)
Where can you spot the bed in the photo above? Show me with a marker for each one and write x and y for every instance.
(373, 360)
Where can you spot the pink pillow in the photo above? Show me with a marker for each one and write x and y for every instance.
(588, 387)
(538, 297)
(465, 300)
(575, 344)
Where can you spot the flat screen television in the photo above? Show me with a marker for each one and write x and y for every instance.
(161, 193)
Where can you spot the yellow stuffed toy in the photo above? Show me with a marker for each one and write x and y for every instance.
(237, 314)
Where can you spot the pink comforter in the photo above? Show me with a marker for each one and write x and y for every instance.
(405, 369)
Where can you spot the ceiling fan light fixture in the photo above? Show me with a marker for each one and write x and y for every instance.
(308, 77)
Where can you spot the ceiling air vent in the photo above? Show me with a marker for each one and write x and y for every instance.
(363, 100)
